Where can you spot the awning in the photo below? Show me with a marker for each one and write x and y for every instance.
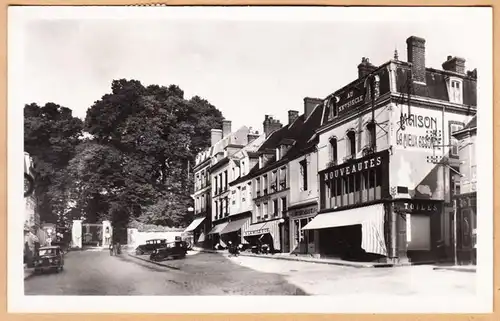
(371, 219)
(201, 238)
(218, 228)
(194, 224)
(270, 227)
(234, 225)
(255, 229)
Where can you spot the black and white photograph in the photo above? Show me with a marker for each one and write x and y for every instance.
(250, 159)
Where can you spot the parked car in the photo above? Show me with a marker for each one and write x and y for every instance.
(49, 258)
(172, 250)
(150, 246)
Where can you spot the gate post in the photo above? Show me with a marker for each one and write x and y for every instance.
(76, 234)
(107, 231)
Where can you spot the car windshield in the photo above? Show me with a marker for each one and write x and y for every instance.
(47, 251)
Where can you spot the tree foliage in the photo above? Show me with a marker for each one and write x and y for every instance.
(137, 165)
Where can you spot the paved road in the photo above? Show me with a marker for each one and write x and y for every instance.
(97, 273)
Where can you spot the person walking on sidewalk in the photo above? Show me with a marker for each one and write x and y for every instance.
(111, 249)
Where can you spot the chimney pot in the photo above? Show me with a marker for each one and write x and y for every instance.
(215, 136)
(309, 104)
(455, 64)
(365, 67)
(292, 115)
(271, 125)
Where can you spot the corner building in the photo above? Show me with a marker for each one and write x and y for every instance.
(386, 160)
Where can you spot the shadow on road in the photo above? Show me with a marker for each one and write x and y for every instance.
(208, 271)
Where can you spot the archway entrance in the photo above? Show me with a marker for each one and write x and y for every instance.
(84, 235)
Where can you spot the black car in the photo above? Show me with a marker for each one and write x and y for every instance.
(49, 258)
(173, 250)
(150, 246)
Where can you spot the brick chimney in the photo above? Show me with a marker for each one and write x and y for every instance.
(226, 127)
(365, 67)
(416, 56)
(215, 136)
(252, 135)
(309, 104)
(292, 115)
(455, 64)
(271, 125)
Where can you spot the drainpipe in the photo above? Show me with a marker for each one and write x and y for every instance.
(394, 232)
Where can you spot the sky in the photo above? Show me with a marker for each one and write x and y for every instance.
(247, 64)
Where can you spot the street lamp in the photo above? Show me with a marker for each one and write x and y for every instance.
(190, 209)
(281, 221)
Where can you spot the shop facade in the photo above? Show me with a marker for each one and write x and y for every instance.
(302, 241)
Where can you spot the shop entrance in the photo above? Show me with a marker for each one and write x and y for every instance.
(302, 240)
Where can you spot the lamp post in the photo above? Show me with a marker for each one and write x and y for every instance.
(282, 236)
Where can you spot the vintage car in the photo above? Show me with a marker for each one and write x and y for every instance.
(171, 250)
(49, 258)
(150, 246)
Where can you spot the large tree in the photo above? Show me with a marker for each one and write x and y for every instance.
(155, 133)
(51, 134)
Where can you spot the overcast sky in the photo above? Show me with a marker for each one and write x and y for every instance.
(245, 67)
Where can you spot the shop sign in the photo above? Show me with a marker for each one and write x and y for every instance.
(418, 207)
(418, 131)
(303, 211)
(360, 165)
(351, 99)
(257, 232)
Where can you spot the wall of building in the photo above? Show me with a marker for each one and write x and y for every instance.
(468, 166)
(297, 193)
(411, 148)
(358, 124)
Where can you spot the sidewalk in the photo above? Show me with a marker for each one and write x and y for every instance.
(28, 272)
(291, 257)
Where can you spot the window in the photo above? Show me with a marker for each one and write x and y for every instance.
(216, 209)
(265, 208)
(333, 151)
(455, 181)
(215, 185)
(225, 181)
(351, 144)
(220, 183)
(274, 182)
(266, 183)
(257, 212)
(455, 94)
(242, 168)
(283, 178)
(370, 135)
(454, 127)
(278, 153)
(227, 206)
(283, 206)
(275, 207)
(303, 173)
(257, 187)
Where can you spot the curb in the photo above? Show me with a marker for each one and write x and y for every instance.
(153, 262)
(319, 261)
(468, 270)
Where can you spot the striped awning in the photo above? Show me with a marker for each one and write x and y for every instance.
(269, 227)
(194, 224)
(371, 219)
(218, 228)
(234, 226)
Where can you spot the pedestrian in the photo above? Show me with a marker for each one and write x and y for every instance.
(111, 249)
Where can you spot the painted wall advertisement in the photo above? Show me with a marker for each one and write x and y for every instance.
(418, 130)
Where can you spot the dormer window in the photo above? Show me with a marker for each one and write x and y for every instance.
(455, 90)
(278, 153)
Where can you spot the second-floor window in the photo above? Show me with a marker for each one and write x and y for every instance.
(265, 208)
(370, 135)
(283, 206)
(333, 151)
(303, 174)
(225, 181)
(257, 212)
(275, 207)
(265, 184)
(283, 178)
(351, 144)
(453, 141)
(274, 182)
(257, 187)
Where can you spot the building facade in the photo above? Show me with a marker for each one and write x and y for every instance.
(385, 156)
(466, 196)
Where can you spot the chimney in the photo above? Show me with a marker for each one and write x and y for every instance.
(252, 136)
(309, 104)
(455, 64)
(292, 115)
(271, 125)
(216, 136)
(365, 67)
(226, 127)
(416, 56)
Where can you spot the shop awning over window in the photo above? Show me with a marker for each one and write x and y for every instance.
(201, 238)
(194, 224)
(234, 226)
(371, 219)
(270, 227)
(218, 228)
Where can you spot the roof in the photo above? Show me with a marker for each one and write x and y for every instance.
(300, 131)
(472, 123)
(470, 127)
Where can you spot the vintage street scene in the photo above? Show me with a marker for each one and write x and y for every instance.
(233, 157)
